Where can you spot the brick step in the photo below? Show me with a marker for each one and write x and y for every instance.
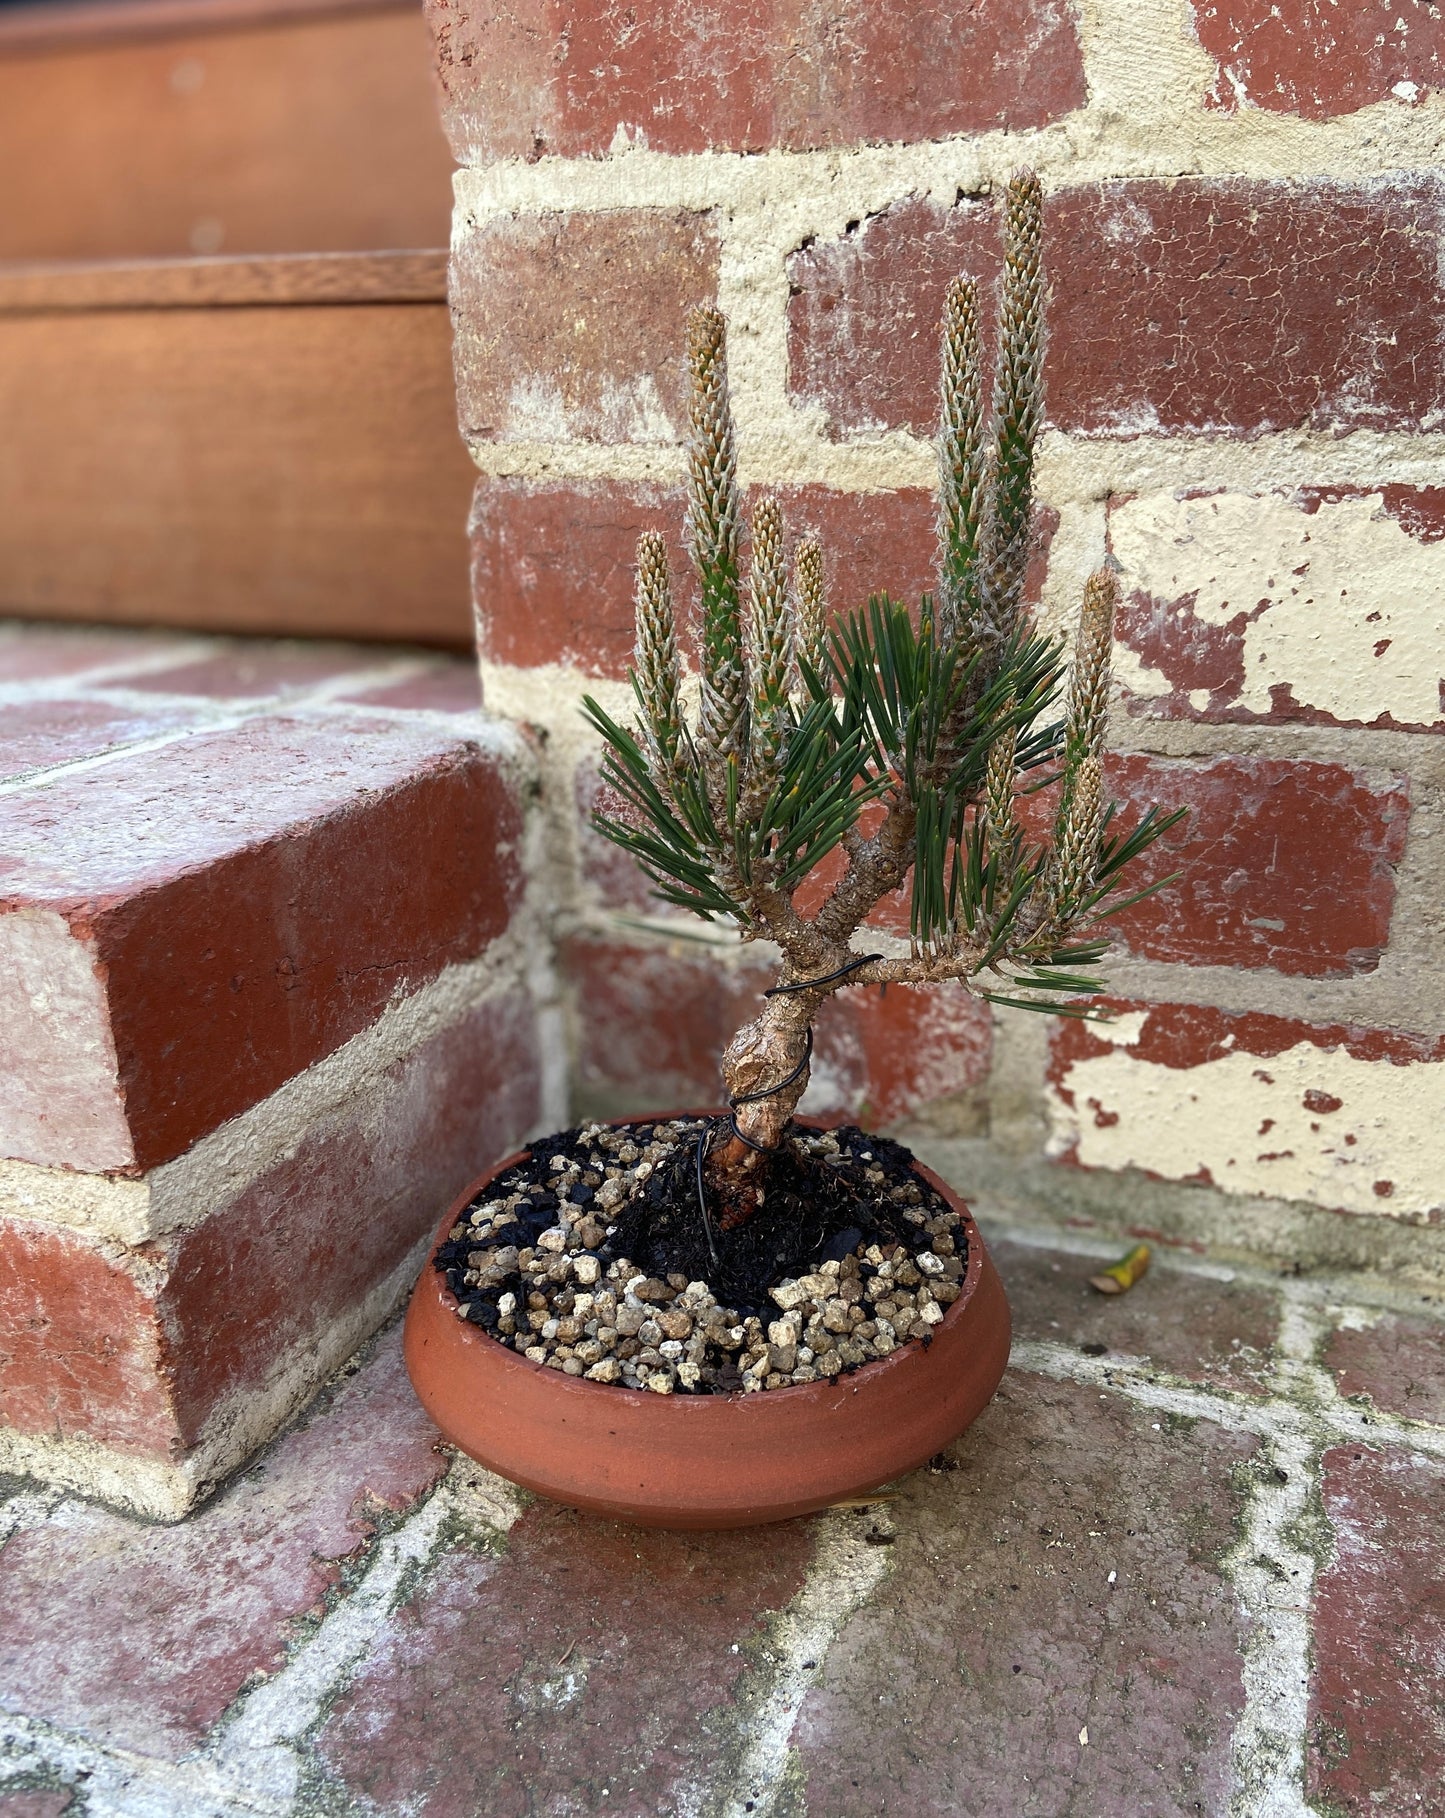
(262, 1012)
(249, 444)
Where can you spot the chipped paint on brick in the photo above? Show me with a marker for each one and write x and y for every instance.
(1348, 1119)
(1305, 607)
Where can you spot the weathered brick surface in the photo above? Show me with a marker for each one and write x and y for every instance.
(1217, 1332)
(139, 1352)
(652, 1024)
(450, 687)
(887, 1056)
(30, 653)
(37, 734)
(1347, 1118)
(38, 1803)
(535, 362)
(553, 562)
(1284, 864)
(1222, 305)
(963, 1686)
(250, 898)
(140, 1636)
(529, 78)
(591, 1669)
(1319, 606)
(1311, 58)
(307, 1240)
(553, 569)
(252, 672)
(82, 1351)
(864, 315)
(1377, 1697)
(1395, 1360)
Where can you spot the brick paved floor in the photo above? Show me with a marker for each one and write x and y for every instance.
(1190, 1561)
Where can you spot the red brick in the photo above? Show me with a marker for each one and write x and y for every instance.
(275, 1269)
(1245, 307)
(1227, 306)
(253, 671)
(553, 569)
(255, 897)
(141, 1353)
(962, 1685)
(82, 1353)
(36, 652)
(1312, 58)
(37, 734)
(553, 563)
(916, 1047)
(572, 327)
(590, 1669)
(1284, 864)
(1398, 1362)
(653, 1022)
(38, 1803)
(530, 78)
(140, 1636)
(453, 687)
(1377, 1710)
(1219, 1333)
(1189, 1035)
(865, 312)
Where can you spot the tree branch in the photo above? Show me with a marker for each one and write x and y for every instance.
(876, 867)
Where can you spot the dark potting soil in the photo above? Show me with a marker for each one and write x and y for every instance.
(593, 1255)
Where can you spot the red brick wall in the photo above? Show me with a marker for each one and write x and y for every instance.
(1246, 377)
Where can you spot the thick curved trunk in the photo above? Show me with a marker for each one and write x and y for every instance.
(762, 1054)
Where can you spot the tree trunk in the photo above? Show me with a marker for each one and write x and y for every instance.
(762, 1054)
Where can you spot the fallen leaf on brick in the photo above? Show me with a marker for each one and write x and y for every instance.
(1122, 1275)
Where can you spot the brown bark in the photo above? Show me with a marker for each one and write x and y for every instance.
(762, 1054)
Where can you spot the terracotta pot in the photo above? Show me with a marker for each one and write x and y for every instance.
(706, 1461)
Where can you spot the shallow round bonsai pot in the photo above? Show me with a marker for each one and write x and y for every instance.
(706, 1461)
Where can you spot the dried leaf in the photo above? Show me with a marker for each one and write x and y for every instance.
(1122, 1275)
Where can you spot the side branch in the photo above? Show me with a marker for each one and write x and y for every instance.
(877, 866)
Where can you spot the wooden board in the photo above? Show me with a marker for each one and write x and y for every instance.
(402, 277)
(290, 467)
(42, 24)
(159, 130)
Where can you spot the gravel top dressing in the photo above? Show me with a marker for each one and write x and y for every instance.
(591, 1256)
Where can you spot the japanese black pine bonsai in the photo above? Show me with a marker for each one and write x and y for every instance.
(906, 738)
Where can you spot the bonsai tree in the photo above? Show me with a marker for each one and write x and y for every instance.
(907, 740)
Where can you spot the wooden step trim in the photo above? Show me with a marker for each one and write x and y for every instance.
(291, 278)
(79, 24)
(271, 469)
